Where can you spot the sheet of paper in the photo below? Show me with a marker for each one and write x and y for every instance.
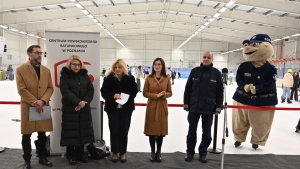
(35, 116)
(124, 98)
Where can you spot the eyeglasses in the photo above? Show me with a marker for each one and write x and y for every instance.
(76, 65)
(38, 53)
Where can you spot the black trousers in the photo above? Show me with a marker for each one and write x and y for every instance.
(75, 151)
(41, 145)
(119, 124)
(191, 140)
(298, 126)
(294, 92)
(138, 82)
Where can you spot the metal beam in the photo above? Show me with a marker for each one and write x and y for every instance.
(182, 2)
(217, 5)
(250, 10)
(129, 2)
(268, 12)
(234, 8)
(112, 2)
(199, 3)
(95, 3)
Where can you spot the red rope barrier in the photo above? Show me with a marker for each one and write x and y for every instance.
(181, 105)
(9, 102)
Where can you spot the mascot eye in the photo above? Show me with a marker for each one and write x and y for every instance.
(246, 44)
(255, 44)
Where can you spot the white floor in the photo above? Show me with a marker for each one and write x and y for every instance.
(282, 140)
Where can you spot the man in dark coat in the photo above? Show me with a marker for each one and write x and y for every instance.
(203, 96)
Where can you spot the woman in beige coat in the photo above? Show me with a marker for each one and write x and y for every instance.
(157, 88)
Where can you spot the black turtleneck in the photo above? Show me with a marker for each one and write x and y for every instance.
(37, 69)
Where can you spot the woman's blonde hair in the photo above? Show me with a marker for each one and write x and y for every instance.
(123, 65)
(75, 57)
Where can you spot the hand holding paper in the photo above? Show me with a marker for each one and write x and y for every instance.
(123, 99)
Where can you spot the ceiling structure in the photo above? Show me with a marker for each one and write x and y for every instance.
(243, 19)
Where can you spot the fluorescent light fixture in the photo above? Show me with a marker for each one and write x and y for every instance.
(85, 11)
(223, 9)
(12, 29)
(211, 19)
(95, 20)
(286, 37)
(199, 29)
(99, 24)
(231, 2)
(23, 32)
(206, 23)
(298, 34)
(90, 16)
(38, 37)
(216, 15)
(276, 40)
(3, 26)
(78, 6)
(43, 38)
(105, 30)
(202, 27)
(30, 35)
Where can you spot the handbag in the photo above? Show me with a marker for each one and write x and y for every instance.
(98, 150)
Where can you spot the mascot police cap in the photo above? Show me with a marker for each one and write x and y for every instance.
(259, 38)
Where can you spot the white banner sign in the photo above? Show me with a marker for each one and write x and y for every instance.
(60, 46)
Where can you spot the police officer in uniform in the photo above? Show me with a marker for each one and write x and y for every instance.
(203, 96)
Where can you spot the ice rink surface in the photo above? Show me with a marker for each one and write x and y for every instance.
(282, 140)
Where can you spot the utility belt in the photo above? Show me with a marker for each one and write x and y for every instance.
(256, 96)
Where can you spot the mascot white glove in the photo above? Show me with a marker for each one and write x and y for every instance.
(253, 89)
(247, 87)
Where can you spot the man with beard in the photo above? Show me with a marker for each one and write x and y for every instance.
(34, 85)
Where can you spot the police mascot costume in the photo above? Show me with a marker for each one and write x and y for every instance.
(256, 80)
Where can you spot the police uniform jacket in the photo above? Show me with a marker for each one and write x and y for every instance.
(264, 80)
(204, 90)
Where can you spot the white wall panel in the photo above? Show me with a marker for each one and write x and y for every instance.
(289, 49)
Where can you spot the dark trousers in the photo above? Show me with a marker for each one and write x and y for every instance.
(138, 82)
(75, 151)
(191, 140)
(41, 145)
(298, 126)
(119, 124)
(295, 93)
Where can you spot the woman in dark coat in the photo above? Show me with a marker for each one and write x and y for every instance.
(77, 93)
(116, 82)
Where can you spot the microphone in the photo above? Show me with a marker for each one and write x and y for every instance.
(225, 75)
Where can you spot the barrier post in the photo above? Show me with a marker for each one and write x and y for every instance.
(101, 120)
(215, 150)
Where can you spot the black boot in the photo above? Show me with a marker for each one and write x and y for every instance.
(282, 100)
(158, 157)
(237, 144)
(44, 161)
(289, 101)
(255, 146)
(189, 157)
(152, 157)
(27, 165)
